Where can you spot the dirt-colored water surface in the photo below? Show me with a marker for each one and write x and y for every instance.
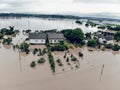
(17, 74)
(97, 70)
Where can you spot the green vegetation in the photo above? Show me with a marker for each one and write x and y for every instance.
(88, 35)
(73, 58)
(92, 43)
(40, 52)
(24, 47)
(28, 31)
(101, 27)
(78, 22)
(109, 46)
(35, 51)
(51, 60)
(62, 46)
(51, 31)
(1, 36)
(90, 23)
(116, 47)
(113, 27)
(33, 64)
(41, 61)
(67, 60)
(80, 54)
(74, 35)
(59, 62)
(65, 55)
(7, 41)
(44, 51)
(9, 31)
(117, 36)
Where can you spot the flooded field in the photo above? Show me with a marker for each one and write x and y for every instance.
(97, 70)
(18, 75)
(42, 24)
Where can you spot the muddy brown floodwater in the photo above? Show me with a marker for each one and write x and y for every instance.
(17, 74)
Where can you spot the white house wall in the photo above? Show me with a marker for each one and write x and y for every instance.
(37, 41)
(54, 40)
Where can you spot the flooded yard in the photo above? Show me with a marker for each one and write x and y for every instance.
(18, 75)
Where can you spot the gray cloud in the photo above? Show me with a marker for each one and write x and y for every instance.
(98, 1)
(59, 6)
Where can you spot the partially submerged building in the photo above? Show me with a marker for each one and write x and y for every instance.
(107, 35)
(41, 37)
(37, 38)
(55, 37)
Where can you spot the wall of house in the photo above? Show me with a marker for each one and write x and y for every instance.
(54, 40)
(37, 41)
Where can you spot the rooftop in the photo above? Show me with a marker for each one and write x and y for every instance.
(110, 31)
(37, 35)
(55, 36)
(109, 37)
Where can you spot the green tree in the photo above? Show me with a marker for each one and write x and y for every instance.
(117, 36)
(92, 43)
(74, 35)
(109, 46)
(41, 60)
(116, 47)
(1, 36)
(24, 47)
(51, 61)
(7, 41)
(33, 64)
(35, 51)
(9, 31)
(62, 46)
(78, 22)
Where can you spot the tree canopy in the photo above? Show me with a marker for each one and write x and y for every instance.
(9, 31)
(7, 41)
(117, 36)
(92, 43)
(74, 35)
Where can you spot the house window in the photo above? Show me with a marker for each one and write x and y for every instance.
(36, 40)
(50, 41)
(55, 40)
(42, 40)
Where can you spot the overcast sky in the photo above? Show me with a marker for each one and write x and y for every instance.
(60, 6)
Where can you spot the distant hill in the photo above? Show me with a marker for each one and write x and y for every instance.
(89, 17)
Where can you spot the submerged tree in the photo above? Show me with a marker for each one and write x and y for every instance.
(51, 61)
(7, 41)
(33, 64)
(1, 36)
(41, 60)
(92, 43)
(117, 36)
(24, 47)
(74, 35)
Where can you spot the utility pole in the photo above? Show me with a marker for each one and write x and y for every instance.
(102, 70)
